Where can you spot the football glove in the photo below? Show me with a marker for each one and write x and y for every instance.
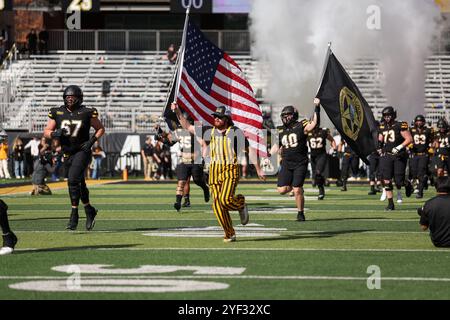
(87, 145)
(397, 149)
(58, 133)
(334, 154)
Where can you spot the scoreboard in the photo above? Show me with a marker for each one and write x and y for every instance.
(80, 5)
(6, 5)
(211, 6)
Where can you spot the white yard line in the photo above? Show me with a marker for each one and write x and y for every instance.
(241, 229)
(228, 248)
(246, 277)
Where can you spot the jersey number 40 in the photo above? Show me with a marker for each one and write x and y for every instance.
(289, 141)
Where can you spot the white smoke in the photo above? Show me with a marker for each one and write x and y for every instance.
(292, 36)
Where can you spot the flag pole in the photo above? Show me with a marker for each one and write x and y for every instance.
(181, 53)
(327, 56)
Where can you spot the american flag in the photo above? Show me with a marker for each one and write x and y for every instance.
(211, 78)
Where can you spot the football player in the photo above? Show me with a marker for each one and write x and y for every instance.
(442, 145)
(422, 138)
(393, 138)
(374, 172)
(292, 143)
(317, 141)
(71, 123)
(9, 238)
(189, 164)
(350, 161)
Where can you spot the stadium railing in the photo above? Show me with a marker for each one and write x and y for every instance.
(232, 41)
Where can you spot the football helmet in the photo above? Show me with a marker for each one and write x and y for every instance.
(389, 114)
(289, 115)
(421, 119)
(76, 92)
(442, 124)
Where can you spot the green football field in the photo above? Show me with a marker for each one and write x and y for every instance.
(348, 248)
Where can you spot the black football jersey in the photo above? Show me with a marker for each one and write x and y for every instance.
(317, 140)
(392, 136)
(444, 143)
(293, 141)
(421, 139)
(77, 125)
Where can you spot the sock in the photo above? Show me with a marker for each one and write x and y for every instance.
(186, 197)
(179, 197)
(391, 202)
(75, 211)
(372, 187)
(88, 207)
(300, 212)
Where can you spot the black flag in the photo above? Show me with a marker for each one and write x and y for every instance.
(347, 109)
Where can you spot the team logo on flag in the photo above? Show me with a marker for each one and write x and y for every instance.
(351, 112)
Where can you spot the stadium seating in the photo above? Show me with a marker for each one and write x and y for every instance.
(139, 85)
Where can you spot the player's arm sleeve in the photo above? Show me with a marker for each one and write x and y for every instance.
(52, 114)
(404, 126)
(94, 113)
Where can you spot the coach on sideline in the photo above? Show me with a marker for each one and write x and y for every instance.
(435, 214)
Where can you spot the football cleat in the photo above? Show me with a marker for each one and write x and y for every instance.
(321, 193)
(9, 242)
(408, 190)
(389, 208)
(187, 204)
(399, 197)
(206, 195)
(91, 213)
(73, 222)
(177, 206)
(301, 217)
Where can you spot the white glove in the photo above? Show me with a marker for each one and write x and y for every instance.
(265, 162)
(397, 149)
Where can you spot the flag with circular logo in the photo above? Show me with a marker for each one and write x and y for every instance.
(347, 108)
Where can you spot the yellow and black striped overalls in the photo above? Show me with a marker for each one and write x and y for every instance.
(223, 179)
